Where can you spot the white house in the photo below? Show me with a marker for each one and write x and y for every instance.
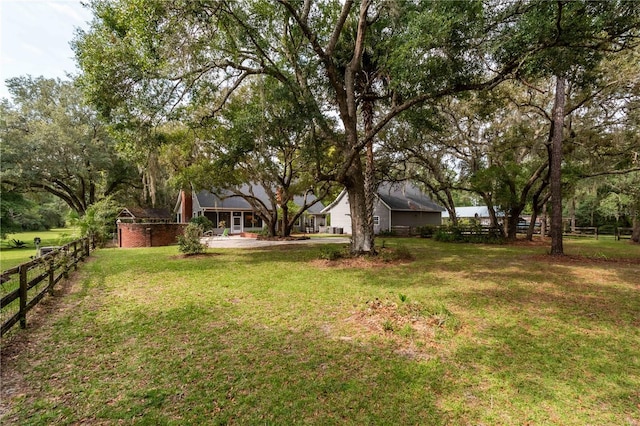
(399, 204)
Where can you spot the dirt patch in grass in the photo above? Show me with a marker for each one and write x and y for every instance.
(356, 263)
(536, 242)
(411, 328)
(386, 257)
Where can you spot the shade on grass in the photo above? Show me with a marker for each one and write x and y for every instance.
(481, 334)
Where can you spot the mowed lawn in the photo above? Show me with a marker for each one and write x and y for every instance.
(10, 256)
(463, 334)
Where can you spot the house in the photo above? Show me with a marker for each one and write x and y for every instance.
(395, 205)
(236, 212)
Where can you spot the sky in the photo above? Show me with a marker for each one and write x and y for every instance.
(35, 37)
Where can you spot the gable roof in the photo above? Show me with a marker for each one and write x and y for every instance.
(140, 213)
(223, 199)
(403, 196)
(406, 196)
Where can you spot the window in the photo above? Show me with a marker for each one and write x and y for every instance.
(376, 220)
(252, 220)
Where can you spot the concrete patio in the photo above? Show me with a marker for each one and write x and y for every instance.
(235, 241)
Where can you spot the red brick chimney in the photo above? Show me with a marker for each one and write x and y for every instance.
(187, 206)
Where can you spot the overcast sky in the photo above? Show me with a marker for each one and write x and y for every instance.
(35, 36)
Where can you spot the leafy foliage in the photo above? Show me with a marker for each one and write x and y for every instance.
(53, 142)
(203, 221)
(23, 212)
(469, 234)
(189, 242)
(99, 221)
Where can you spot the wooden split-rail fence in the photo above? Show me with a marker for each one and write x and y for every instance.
(23, 286)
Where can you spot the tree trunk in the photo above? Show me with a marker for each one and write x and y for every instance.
(573, 214)
(532, 225)
(635, 234)
(284, 224)
(452, 216)
(538, 210)
(362, 237)
(493, 217)
(543, 222)
(272, 225)
(556, 169)
(512, 223)
(369, 175)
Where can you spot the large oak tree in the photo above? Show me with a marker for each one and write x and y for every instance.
(362, 63)
(53, 142)
(357, 65)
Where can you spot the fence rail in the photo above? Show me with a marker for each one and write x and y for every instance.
(21, 287)
(587, 231)
(624, 233)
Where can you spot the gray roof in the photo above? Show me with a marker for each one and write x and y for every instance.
(224, 199)
(144, 213)
(405, 196)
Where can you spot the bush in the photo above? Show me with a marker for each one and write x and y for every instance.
(468, 234)
(189, 242)
(427, 231)
(203, 221)
(99, 221)
(607, 230)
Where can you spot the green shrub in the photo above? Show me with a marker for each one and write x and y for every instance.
(189, 242)
(427, 231)
(469, 234)
(607, 230)
(99, 221)
(203, 221)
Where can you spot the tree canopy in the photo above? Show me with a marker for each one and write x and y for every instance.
(54, 142)
(353, 69)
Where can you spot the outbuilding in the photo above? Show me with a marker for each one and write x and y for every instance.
(140, 227)
(397, 206)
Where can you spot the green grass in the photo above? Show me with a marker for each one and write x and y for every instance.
(10, 257)
(464, 334)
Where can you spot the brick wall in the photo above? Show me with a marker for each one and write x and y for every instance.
(148, 234)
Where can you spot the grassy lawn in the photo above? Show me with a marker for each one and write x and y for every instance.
(10, 257)
(464, 334)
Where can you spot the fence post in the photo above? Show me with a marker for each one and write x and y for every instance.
(51, 275)
(23, 296)
(65, 262)
(87, 246)
(75, 255)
